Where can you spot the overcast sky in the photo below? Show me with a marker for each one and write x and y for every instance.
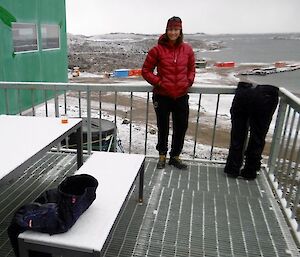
(92, 17)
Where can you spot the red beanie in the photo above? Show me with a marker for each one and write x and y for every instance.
(174, 22)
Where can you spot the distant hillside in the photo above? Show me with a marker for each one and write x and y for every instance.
(112, 51)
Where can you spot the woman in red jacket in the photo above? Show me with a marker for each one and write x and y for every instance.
(174, 61)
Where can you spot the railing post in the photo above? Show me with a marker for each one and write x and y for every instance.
(18, 100)
(115, 119)
(56, 104)
(6, 101)
(32, 102)
(130, 126)
(100, 122)
(214, 130)
(46, 104)
(275, 145)
(291, 169)
(197, 126)
(79, 103)
(65, 101)
(147, 118)
(88, 106)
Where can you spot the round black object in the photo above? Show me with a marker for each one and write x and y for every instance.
(107, 133)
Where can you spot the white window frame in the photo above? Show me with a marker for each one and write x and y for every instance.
(43, 36)
(36, 38)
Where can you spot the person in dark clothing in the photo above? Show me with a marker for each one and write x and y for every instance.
(175, 64)
(252, 107)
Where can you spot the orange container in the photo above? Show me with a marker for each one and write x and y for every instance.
(280, 64)
(224, 64)
(64, 118)
(135, 72)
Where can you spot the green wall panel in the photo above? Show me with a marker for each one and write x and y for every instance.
(45, 66)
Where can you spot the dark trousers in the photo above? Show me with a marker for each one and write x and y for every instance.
(179, 108)
(252, 106)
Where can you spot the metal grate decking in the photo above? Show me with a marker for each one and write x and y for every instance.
(199, 212)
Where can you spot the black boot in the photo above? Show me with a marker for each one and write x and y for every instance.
(161, 162)
(176, 162)
(248, 174)
(231, 172)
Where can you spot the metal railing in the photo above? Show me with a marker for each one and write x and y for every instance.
(283, 164)
(130, 102)
(89, 102)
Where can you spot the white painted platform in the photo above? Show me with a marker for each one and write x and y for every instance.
(116, 173)
(22, 137)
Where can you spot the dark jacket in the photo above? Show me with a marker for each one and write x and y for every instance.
(56, 210)
(175, 68)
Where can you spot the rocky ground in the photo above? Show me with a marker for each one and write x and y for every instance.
(105, 53)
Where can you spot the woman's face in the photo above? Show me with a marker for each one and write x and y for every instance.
(173, 34)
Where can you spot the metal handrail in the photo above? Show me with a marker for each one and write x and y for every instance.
(283, 165)
(88, 89)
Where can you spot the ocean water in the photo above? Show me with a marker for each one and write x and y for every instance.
(260, 48)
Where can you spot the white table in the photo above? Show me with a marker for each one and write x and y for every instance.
(116, 173)
(24, 139)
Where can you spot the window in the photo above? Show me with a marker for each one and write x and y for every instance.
(24, 37)
(50, 36)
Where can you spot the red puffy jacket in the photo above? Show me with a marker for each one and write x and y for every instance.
(175, 68)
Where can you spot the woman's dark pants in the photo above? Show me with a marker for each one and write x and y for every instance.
(252, 106)
(179, 108)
